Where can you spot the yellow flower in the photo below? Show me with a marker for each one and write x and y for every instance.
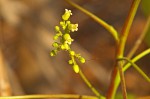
(66, 15)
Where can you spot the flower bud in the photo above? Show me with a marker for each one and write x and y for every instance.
(70, 62)
(55, 44)
(68, 22)
(72, 53)
(82, 60)
(55, 37)
(53, 52)
(62, 47)
(57, 29)
(66, 46)
(67, 36)
(76, 68)
(62, 23)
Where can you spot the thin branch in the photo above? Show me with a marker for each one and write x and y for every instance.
(116, 79)
(90, 85)
(86, 81)
(108, 27)
(136, 67)
(127, 26)
(123, 39)
(120, 53)
(122, 78)
(68, 96)
(139, 40)
(139, 56)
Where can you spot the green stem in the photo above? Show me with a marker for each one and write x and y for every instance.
(123, 39)
(140, 39)
(116, 79)
(122, 78)
(120, 53)
(97, 19)
(65, 96)
(127, 26)
(90, 85)
(146, 52)
(137, 68)
(87, 82)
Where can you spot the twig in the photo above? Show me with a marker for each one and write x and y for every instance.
(123, 85)
(116, 79)
(97, 19)
(90, 85)
(120, 53)
(68, 96)
(127, 26)
(136, 67)
(140, 39)
(139, 56)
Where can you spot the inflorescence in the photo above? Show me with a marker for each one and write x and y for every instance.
(63, 40)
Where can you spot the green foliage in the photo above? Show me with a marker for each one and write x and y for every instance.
(63, 40)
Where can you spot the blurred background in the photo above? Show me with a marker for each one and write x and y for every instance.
(26, 35)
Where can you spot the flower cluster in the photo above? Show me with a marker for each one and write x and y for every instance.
(63, 40)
